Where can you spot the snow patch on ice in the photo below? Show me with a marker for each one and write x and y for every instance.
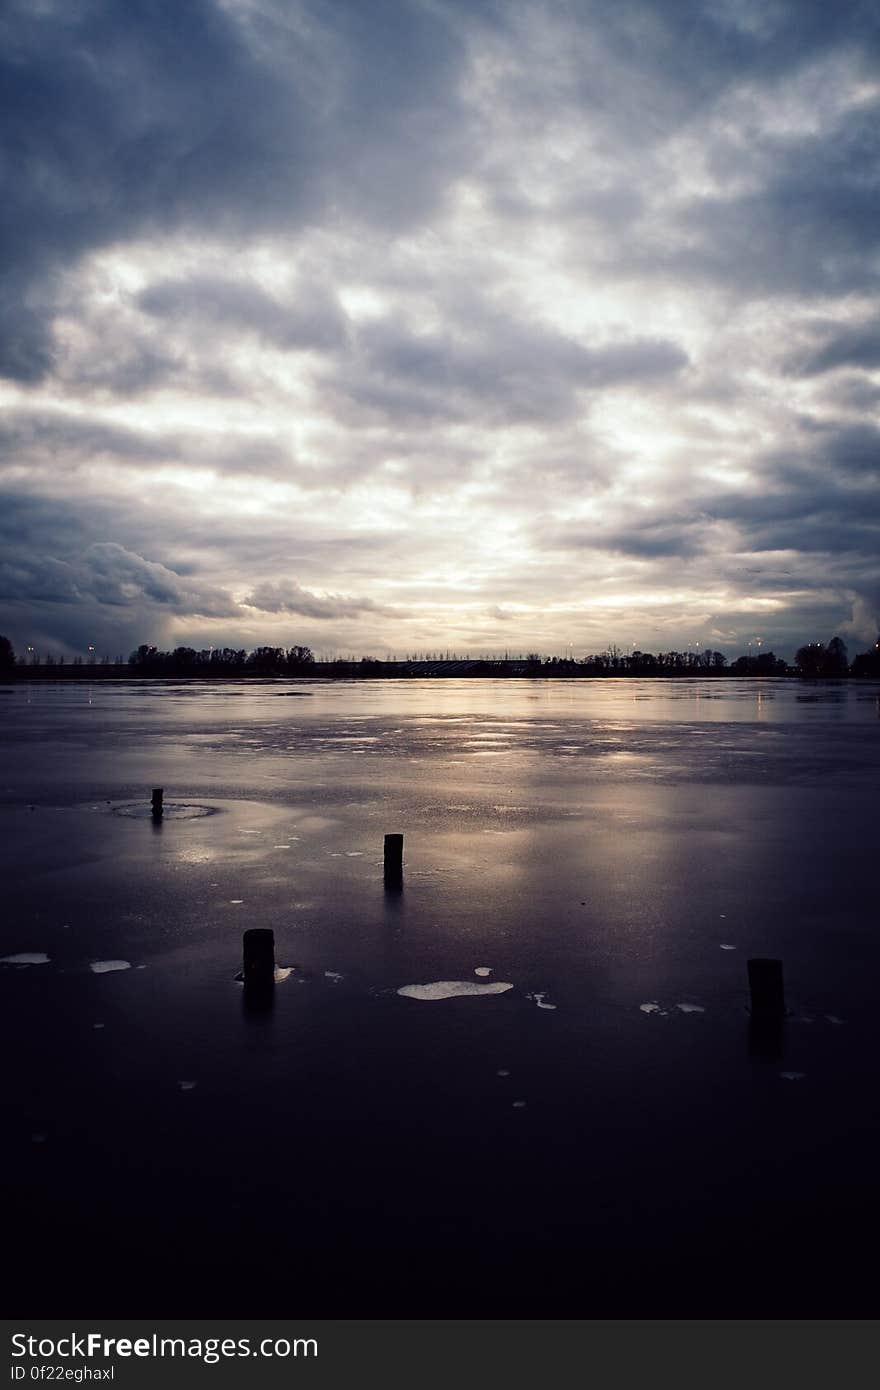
(26, 958)
(104, 967)
(539, 996)
(450, 989)
(483, 970)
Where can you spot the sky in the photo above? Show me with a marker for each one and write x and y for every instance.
(384, 326)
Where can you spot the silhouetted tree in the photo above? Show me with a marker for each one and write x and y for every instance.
(767, 664)
(868, 663)
(143, 656)
(267, 661)
(300, 658)
(836, 659)
(7, 654)
(810, 659)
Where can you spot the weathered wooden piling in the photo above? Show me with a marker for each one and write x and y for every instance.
(766, 990)
(258, 956)
(158, 793)
(393, 861)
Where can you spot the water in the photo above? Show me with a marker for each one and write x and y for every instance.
(614, 851)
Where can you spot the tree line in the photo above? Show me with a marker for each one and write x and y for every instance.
(813, 661)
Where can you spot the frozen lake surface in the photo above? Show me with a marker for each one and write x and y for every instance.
(605, 1137)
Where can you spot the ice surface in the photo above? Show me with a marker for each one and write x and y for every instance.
(26, 958)
(105, 967)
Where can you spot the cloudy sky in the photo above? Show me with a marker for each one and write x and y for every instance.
(393, 325)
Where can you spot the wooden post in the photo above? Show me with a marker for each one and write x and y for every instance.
(258, 965)
(157, 803)
(393, 861)
(765, 988)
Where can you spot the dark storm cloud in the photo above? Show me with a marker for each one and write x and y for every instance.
(50, 444)
(313, 320)
(513, 370)
(856, 345)
(107, 574)
(849, 449)
(639, 70)
(809, 228)
(122, 120)
(63, 441)
(287, 596)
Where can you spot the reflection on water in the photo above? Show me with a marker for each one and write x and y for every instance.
(508, 704)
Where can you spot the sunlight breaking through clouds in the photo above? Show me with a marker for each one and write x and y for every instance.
(535, 324)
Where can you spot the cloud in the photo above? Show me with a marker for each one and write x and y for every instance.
(286, 596)
(855, 345)
(134, 118)
(313, 320)
(109, 575)
(510, 369)
(476, 315)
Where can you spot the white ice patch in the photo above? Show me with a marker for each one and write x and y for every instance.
(281, 846)
(483, 970)
(832, 1018)
(539, 996)
(651, 1008)
(26, 958)
(333, 975)
(97, 1025)
(104, 967)
(519, 1105)
(691, 1008)
(502, 1072)
(725, 947)
(450, 989)
(236, 902)
(187, 1085)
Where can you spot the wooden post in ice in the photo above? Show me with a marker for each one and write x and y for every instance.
(765, 988)
(393, 861)
(258, 965)
(157, 803)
